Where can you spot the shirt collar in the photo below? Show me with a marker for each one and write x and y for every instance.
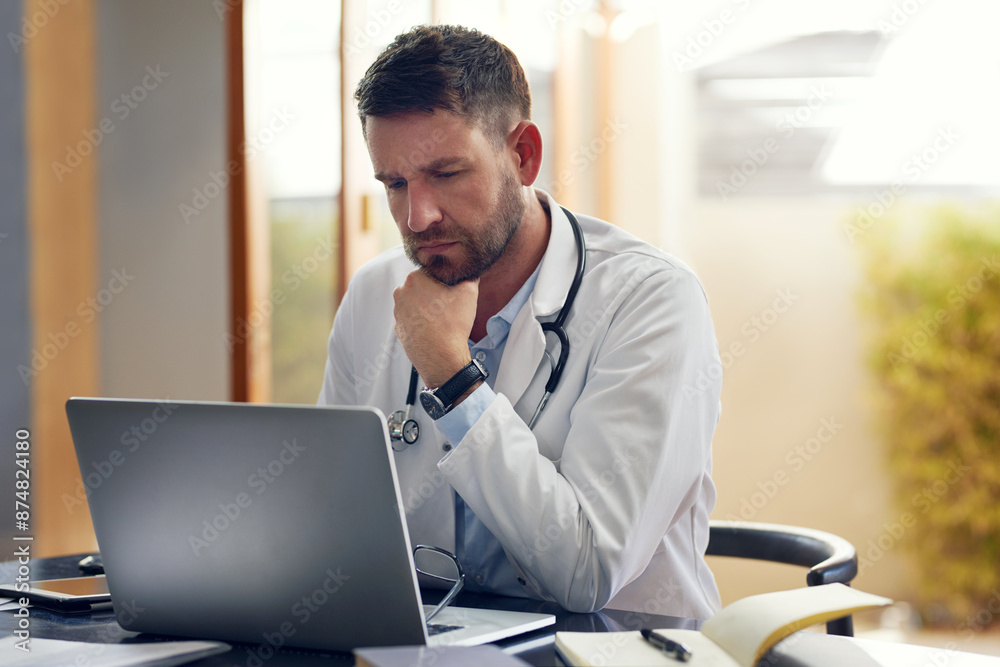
(498, 326)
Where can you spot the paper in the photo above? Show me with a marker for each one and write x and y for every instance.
(59, 653)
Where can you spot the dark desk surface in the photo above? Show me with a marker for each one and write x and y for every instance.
(535, 648)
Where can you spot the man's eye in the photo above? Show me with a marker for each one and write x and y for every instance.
(395, 185)
(447, 174)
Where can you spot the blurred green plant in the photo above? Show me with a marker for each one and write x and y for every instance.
(933, 295)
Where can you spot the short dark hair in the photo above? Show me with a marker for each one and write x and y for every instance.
(447, 67)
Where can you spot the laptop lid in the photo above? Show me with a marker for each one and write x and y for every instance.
(253, 523)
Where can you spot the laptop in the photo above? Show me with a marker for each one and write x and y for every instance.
(265, 524)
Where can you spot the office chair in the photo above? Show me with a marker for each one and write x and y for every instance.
(830, 559)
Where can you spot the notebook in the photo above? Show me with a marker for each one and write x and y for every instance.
(266, 524)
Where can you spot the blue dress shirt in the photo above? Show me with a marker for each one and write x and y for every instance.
(486, 566)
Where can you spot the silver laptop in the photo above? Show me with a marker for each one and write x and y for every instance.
(265, 524)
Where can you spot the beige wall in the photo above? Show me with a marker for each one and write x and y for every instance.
(795, 443)
(165, 335)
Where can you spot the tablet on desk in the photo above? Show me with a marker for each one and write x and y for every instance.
(78, 594)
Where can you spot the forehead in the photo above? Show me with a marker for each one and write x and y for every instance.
(411, 141)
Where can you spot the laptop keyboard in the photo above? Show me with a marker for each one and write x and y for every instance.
(440, 628)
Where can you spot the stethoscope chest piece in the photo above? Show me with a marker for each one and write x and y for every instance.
(403, 431)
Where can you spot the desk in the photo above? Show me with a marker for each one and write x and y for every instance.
(535, 648)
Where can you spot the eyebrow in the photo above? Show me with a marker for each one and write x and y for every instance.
(436, 165)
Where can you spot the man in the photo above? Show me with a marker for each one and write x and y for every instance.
(606, 500)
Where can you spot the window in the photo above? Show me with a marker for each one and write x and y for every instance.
(293, 128)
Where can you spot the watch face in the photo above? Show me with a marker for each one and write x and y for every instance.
(432, 404)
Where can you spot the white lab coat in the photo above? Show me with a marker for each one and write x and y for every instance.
(606, 502)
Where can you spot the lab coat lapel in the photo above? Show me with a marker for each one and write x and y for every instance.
(524, 351)
(526, 343)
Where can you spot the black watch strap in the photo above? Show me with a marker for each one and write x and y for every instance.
(458, 383)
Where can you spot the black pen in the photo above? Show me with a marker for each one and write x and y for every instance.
(675, 650)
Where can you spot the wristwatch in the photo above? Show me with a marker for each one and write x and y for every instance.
(438, 402)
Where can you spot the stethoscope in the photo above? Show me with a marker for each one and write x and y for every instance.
(404, 430)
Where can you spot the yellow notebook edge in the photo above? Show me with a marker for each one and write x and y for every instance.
(828, 602)
(807, 622)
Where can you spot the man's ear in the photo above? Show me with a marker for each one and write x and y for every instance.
(526, 142)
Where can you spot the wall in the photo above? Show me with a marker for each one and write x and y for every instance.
(795, 443)
(163, 335)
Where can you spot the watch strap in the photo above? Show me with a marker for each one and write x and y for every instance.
(459, 383)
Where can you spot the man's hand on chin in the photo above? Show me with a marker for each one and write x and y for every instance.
(433, 322)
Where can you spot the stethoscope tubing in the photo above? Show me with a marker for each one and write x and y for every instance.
(557, 327)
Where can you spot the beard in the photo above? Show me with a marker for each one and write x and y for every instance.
(482, 250)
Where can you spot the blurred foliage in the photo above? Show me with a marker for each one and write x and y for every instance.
(933, 295)
(304, 258)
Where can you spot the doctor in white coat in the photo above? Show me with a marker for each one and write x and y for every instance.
(605, 501)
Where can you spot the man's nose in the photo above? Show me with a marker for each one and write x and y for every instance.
(424, 210)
